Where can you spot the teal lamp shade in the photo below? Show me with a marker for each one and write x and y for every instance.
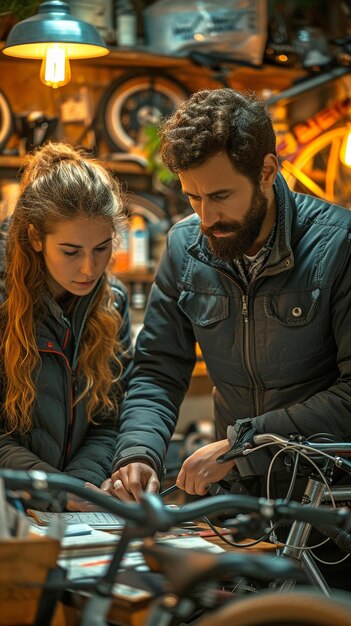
(53, 24)
(55, 36)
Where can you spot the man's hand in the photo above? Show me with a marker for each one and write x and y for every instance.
(200, 469)
(129, 481)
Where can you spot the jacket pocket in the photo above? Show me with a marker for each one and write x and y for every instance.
(203, 309)
(293, 330)
(293, 309)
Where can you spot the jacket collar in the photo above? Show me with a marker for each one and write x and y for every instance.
(80, 310)
(281, 257)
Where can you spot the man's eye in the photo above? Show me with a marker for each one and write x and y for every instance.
(221, 196)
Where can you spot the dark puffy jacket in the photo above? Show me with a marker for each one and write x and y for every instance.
(61, 439)
(279, 352)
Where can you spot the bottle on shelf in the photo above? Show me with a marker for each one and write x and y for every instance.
(126, 23)
(138, 299)
(139, 244)
(121, 259)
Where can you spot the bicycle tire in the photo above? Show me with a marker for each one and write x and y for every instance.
(300, 608)
(135, 100)
(6, 120)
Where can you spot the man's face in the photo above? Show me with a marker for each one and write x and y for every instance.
(231, 210)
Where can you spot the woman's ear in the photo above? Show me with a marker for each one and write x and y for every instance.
(269, 170)
(34, 238)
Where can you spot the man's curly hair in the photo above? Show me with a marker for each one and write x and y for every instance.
(218, 121)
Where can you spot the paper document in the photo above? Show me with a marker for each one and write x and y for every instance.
(95, 519)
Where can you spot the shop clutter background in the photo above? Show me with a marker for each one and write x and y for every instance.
(250, 30)
(296, 54)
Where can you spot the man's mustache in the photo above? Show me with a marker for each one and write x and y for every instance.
(233, 228)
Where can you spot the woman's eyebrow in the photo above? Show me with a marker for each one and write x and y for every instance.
(74, 245)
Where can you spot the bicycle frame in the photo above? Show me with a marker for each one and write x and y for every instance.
(315, 494)
(297, 540)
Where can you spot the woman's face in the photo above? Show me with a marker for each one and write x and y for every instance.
(76, 254)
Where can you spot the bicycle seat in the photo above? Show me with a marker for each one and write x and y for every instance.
(186, 568)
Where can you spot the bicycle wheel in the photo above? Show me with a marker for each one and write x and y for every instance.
(317, 169)
(300, 608)
(135, 101)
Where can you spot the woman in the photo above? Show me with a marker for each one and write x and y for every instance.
(64, 327)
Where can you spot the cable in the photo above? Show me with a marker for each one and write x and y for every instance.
(288, 495)
(233, 543)
(310, 548)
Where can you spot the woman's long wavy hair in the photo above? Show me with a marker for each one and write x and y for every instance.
(59, 183)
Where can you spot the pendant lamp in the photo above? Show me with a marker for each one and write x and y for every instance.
(55, 36)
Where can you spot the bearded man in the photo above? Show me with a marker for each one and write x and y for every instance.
(260, 277)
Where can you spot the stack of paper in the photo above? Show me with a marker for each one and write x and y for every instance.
(81, 540)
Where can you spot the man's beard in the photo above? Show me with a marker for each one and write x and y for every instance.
(243, 234)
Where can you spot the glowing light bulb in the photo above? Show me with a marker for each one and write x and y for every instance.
(345, 151)
(55, 68)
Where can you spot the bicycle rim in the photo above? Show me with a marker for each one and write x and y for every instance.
(286, 609)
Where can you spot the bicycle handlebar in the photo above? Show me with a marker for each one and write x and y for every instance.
(151, 515)
(330, 448)
(334, 451)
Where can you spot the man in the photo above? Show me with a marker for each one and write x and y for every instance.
(261, 278)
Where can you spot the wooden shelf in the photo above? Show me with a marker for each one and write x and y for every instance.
(10, 166)
(141, 55)
(272, 77)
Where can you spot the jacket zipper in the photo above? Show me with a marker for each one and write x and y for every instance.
(244, 309)
(245, 313)
(246, 339)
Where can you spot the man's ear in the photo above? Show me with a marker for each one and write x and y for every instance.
(34, 238)
(269, 171)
